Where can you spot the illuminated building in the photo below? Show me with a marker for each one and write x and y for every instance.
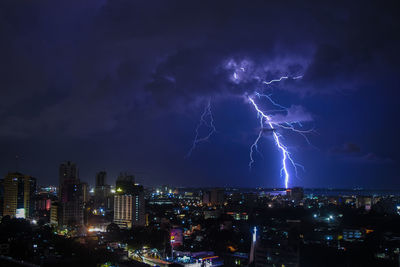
(43, 202)
(176, 237)
(238, 215)
(19, 192)
(352, 234)
(129, 206)
(48, 189)
(84, 188)
(123, 210)
(129, 210)
(54, 213)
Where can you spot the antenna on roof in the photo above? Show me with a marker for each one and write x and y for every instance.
(16, 163)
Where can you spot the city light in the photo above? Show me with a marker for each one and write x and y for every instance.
(254, 234)
(178, 133)
(95, 229)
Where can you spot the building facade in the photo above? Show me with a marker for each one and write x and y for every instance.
(72, 194)
(296, 194)
(214, 196)
(129, 206)
(1, 197)
(67, 171)
(19, 193)
(102, 192)
(43, 202)
(54, 211)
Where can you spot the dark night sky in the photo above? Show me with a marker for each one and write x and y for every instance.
(120, 85)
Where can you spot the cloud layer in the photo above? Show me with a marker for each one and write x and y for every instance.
(96, 54)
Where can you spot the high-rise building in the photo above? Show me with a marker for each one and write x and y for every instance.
(102, 197)
(129, 210)
(1, 197)
(43, 202)
(84, 191)
(215, 196)
(72, 195)
(295, 193)
(19, 193)
(67, 171)
(54, 211)
(71, 203)
(129, 206)
(101, 178)
(125, 182)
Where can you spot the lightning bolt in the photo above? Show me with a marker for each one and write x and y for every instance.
(266, 120)
(280, 79)
(287, 125)
(285, 153)
(206, 120)
(254, 146)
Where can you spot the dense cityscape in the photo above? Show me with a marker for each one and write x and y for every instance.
(184, 133)
(126, 224)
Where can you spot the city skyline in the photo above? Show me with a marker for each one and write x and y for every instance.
(179, 133)
(140, 177)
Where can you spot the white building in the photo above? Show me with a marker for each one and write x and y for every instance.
(129, 210)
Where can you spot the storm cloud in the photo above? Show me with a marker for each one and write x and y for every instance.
(91, 68)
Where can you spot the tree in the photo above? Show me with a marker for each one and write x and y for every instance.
(6, 219)
(112, 228)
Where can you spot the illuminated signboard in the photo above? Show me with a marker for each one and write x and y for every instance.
(176, 237)
(20, 213)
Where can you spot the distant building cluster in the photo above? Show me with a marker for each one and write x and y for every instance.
(73, 203)
(211, 226)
